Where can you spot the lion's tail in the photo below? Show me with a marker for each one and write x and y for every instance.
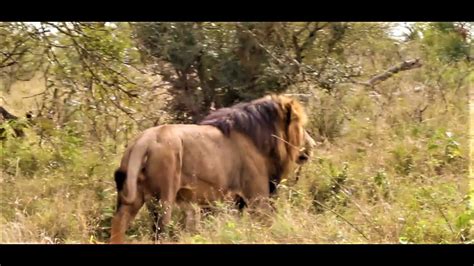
(137, 154)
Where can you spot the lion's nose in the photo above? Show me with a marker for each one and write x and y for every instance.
(303, 158)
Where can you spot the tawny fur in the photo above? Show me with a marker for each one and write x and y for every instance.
(235, 151)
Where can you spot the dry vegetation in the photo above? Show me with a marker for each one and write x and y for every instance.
(391, 166)
(386, 181)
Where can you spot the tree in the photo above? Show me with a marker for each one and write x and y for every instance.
(217, 64)
(447, 41)
(89, 69)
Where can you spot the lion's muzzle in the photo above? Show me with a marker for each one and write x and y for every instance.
(307, 151)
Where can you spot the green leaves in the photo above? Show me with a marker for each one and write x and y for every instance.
(444, 147)
(217, 64)
(447, 41)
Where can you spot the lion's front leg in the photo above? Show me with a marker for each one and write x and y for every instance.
(257, 193)
(192, 216)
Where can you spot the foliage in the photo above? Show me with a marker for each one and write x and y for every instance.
(392, 159)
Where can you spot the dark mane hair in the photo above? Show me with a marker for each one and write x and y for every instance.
(256, 119)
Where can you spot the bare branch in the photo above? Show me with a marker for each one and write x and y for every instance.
(34, 95)
(406, 65)
(307, 42)
(13, 53)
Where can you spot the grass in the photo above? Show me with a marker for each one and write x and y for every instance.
(384, 177)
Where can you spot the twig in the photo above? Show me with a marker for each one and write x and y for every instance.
(343, 218)
(305, 95)
(440, 210)
(293, 146)
(299, 49)
(34, 95)
(9, 55)
(343, 190)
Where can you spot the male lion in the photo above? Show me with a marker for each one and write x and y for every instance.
(234, 152)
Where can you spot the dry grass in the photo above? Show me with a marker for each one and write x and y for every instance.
(385, 179)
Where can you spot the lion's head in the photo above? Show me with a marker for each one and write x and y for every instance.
(274, 123)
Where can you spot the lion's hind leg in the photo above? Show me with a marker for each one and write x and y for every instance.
(124, 215)
(163, 171)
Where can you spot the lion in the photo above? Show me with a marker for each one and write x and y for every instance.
(234, 153)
